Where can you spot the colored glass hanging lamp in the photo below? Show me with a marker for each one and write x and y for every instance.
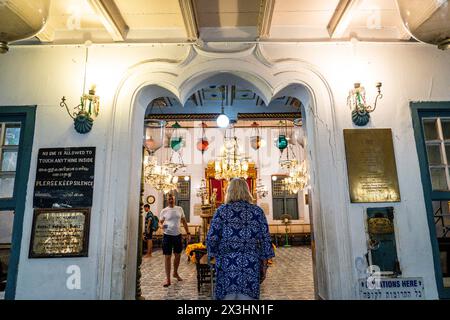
(255, 137)
(203, 143)
(176, 140)
(281, 142)
(153, 135)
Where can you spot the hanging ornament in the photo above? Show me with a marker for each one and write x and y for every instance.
(203, 143)
(281, 142)
(176, 140)
(255, 137)
(154, 133)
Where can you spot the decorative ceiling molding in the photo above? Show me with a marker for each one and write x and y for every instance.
(341, 18)
(213, 116)
(47, 34)
(226, 54)
(190, 55)
(190, 19)
(265, 18)
(112, 19)
(261, 57)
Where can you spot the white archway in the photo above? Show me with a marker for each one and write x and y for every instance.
(117, 267)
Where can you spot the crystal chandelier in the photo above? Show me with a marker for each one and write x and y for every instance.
(297, 173)
(256, 143)
(231, 163)
(297, 177)
(160, 177)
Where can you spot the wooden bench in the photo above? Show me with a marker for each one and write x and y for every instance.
(298, 233)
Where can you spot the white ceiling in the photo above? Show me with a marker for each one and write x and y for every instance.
(75, 21)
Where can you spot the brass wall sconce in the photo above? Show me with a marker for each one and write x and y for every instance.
(89, 107)
(356, 100)
(83, 115)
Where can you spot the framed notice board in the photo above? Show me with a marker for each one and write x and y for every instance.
(60, 233)
(64, 178)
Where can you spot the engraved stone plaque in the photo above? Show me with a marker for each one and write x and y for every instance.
(60, 233)
(371, 167)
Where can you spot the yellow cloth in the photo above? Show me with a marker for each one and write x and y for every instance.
(191, 247)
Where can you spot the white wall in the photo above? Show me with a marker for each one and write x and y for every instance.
(42, 75)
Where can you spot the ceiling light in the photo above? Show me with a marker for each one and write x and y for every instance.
(223, 121)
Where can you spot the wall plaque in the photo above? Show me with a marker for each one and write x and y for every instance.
(60, 233)
(371, 168)
(64, 178)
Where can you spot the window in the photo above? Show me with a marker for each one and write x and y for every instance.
(9, 148)
(283, 202)
(16, 143)
(437, 141)
(431, 122)
(183, 196)
(436, 134)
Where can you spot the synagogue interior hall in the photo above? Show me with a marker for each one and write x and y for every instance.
(193, 154)
(334, 115)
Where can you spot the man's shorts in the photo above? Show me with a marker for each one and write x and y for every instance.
(148, 236)
(170, 243)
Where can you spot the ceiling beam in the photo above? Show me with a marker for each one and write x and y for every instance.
(112, 19)
(190, 19)
(265, 18)
(341, 18)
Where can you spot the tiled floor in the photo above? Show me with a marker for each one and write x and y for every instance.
(289, 278)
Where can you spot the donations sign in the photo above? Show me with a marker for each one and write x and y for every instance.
(391, 289)
(64, 178)
(60, 233)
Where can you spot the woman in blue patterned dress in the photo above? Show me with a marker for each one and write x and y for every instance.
(239, 240)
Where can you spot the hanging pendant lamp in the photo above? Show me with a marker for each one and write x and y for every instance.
(203, 143)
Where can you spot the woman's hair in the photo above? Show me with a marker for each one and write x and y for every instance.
(238, 191)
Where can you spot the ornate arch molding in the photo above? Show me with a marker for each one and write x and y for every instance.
(117, 256)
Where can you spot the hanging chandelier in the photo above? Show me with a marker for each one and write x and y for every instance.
(160, 177)
(231, 163)
(256, 143)
(297, 177)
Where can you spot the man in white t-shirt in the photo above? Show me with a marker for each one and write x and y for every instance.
(170, 218)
